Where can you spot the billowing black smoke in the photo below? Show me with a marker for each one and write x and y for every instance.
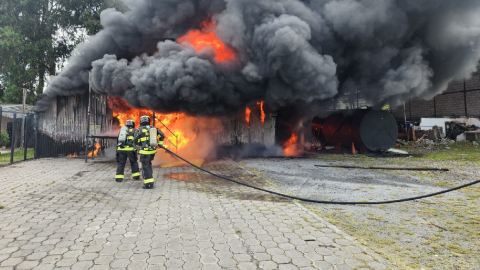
(290, 53)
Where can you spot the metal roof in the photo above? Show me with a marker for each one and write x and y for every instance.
(9, 109)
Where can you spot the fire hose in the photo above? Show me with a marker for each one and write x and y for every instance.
(321, 201)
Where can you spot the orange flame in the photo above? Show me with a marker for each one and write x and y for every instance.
(122, 111)
(179, 139)
(247, 116)
(290, 147)
(201, 39)
(262, 112)
(94, 151)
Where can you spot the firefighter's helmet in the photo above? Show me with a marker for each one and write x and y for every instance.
(145, 120)
(130, 123)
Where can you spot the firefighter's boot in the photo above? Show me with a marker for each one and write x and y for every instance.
(119, 177)
(148, 186)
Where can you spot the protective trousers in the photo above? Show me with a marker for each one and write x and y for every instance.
(122, 160)
(147, 169)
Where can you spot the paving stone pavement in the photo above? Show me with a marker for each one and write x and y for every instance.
(65, 214)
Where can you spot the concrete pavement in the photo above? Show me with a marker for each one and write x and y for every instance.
(65, 214)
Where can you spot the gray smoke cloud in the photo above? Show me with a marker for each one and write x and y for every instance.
(289, 53)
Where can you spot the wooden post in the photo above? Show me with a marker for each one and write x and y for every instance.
(24, 99)
(411, 130)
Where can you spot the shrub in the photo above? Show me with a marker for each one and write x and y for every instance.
(4, 138)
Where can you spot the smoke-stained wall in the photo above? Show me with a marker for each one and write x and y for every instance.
(63, 126)
(289, 53)
(238, 132)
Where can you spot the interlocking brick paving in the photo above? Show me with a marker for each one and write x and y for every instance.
(65, 214)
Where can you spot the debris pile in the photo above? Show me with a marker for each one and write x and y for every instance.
(426, 143)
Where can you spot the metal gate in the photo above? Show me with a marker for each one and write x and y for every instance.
(18, 135)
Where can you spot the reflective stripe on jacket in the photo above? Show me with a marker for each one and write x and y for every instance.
(142, 139)
(129, 145)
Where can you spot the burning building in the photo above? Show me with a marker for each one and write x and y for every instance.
(227, 59)
(64, 127)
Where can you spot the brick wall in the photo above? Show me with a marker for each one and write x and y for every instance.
(450, 103)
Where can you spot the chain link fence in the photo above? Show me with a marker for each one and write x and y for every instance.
(18, 136)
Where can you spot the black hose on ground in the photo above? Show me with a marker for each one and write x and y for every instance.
(320, 201)
(383, 168)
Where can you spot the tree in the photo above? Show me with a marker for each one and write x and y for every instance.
(37, 34)
(4, 138)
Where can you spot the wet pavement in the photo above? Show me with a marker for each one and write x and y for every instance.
(65, 214)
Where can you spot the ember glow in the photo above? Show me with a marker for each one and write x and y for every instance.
(247, 116)
(205, 38)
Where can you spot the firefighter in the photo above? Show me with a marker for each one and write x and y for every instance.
(126, 149)
(147, 148)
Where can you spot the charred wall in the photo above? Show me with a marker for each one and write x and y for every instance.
(238, 132)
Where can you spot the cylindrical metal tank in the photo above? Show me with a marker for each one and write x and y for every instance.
(374, 129)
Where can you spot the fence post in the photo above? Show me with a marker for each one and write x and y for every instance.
(36, 120)
(25, 146)
(12, 140)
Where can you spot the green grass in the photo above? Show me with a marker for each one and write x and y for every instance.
(460, 151)
(17, 156)
(448, 226)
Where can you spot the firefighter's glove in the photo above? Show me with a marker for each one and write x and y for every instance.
(160, 144)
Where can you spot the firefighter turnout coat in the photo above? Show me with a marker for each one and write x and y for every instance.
(147, 151)
(126, 151)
